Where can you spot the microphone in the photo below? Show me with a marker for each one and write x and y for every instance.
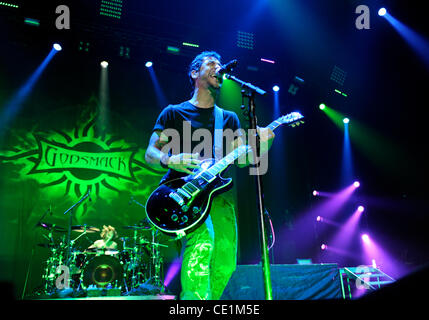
(226, 68)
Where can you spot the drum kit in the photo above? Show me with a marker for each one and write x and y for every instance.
(138, 261)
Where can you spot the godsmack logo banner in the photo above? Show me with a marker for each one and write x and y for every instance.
(68, 163)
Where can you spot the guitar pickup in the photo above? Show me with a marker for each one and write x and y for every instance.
(177, 198)
(183, 193)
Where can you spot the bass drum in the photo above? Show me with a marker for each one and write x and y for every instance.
(103, 271)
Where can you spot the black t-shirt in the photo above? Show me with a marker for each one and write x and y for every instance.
(174, 116)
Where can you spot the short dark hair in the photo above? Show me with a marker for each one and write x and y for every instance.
(198, 61)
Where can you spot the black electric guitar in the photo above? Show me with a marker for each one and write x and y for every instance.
(179, 206)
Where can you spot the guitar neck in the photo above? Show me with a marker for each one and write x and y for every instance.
(290, 119)
(235, 154)
(274, 125)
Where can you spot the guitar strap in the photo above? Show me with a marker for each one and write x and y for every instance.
(218, 133)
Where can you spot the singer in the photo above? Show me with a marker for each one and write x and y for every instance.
(210, 252)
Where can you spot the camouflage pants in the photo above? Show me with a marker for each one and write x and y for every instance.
(210, 254)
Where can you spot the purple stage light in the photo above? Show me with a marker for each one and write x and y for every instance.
(356, 184)
(361, 208)
(172, 271)
(323, 246)
(327, 208)
(377, 255)
(315, 193)
(319, 218)
(342, 239)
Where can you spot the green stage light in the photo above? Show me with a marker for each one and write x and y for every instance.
(187, 44)
(172, 49)
(335, 116)
(32, 22)
(11, 5)
(322, 106)
(111, 8)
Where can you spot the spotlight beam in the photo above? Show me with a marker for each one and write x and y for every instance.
(347, 231)
(14, 105)
(328, 208)
(372, 250)
(416, 41)
(103, 122)
(160, 96)
(347, 171)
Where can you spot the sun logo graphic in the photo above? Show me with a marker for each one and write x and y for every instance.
(76, 161)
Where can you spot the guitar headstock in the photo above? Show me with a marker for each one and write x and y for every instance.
(293, 119)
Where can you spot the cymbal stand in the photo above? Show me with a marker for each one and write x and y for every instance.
(156, 261)
(83, 233)
(70, 212)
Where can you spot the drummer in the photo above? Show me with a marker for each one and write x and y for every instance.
(106, 243)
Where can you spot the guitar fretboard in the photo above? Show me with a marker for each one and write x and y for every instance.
(226, 161)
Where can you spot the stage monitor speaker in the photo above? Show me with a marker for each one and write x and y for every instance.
(289, 282)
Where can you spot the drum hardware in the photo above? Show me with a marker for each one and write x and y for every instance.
(137, 262)
(49, 210)
(55, 259)
(156, 261)
(70, 212)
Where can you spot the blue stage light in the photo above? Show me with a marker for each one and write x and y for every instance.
(276, 88)
(382, 12)
(57, 47)
(346, 120)
(148, 64)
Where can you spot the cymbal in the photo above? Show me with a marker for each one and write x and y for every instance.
(50, 226)
(81, 228)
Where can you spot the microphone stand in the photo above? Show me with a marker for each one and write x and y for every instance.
(249, 91)
(70, 211)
